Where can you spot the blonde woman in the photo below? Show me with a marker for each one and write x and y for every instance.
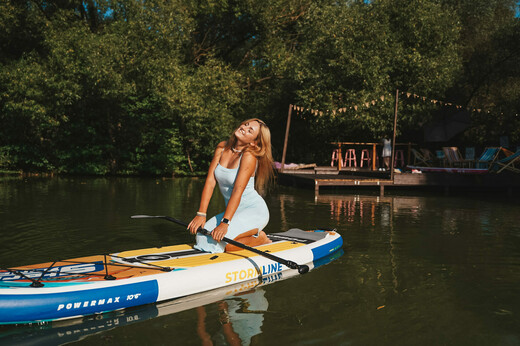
(240, 166)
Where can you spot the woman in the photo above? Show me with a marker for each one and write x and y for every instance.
(237, 164)
(387, 151)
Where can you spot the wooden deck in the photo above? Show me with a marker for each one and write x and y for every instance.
(325, 177)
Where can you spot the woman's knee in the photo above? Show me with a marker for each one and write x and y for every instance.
(249, 233)
(261, 239)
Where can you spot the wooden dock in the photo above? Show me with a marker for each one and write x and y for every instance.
(327, 177)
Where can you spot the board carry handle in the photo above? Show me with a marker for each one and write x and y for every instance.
(302, 268)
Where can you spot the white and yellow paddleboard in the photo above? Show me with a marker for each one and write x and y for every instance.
(95, 284)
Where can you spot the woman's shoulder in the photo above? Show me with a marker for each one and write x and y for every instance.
(247, 155)
(220, 147)
(248, 159)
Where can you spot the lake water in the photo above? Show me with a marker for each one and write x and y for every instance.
(416, 269)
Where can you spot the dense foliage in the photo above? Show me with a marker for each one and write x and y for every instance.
(149, 87)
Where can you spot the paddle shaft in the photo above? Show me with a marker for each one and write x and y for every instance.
(302, 269)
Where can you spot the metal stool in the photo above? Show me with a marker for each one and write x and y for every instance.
(350, 156)
(335, 157)
(399, 156)
(365, 157)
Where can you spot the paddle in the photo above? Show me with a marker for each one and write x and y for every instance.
(302, 269)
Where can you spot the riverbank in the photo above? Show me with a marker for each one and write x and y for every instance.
(13, 173)
(10, 173)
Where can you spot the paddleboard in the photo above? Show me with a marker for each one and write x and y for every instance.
(97, 284)
(70, 330)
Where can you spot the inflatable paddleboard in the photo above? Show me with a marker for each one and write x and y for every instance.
(102, 283)
(70, 330)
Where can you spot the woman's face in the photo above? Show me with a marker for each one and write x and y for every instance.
(248, 132)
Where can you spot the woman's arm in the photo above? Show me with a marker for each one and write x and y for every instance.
(207, 192)
(246, 170)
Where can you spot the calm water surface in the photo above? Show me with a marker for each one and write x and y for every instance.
(416, 269)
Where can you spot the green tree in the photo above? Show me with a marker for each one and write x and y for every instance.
(490, 78)
(133, 87)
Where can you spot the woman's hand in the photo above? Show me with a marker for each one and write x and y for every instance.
(198, 221)
(220, 231)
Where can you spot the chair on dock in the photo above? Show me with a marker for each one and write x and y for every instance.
(418, 158)
(469, 154)
(366, 157)
(335, 157)
(488, 157)
(428, 155)
(399, 156)
(350, 158)
(440, 157)
(454, 157)
(508, 163)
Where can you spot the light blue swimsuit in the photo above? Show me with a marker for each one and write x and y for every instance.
(251, 213)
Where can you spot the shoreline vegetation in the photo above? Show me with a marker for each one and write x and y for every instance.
(150, 87)
(12, 173)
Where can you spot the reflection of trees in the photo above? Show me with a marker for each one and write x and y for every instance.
(284, 199)
(364, 209)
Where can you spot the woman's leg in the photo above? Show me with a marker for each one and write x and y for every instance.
(247, 238)
(204, 336)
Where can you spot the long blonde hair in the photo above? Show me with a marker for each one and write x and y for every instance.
(262, 152)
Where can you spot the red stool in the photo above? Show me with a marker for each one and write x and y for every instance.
(335, 157)
(399, 156)
(350, 156)
(365, 157)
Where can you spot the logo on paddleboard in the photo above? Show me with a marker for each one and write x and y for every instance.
(53, 272)
(251, 273)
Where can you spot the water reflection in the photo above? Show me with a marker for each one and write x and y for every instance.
(240, 317)
(368, 209)
(439, 261)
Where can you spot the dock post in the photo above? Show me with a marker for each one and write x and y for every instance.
(393, 139)
(381, 190)
(286, 137)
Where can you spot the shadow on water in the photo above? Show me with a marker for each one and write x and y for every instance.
(419, 268)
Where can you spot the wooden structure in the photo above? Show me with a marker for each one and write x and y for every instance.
(392, 161)
(442, 179)
(321, 177)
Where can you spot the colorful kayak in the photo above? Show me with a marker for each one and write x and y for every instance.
(97, 284)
